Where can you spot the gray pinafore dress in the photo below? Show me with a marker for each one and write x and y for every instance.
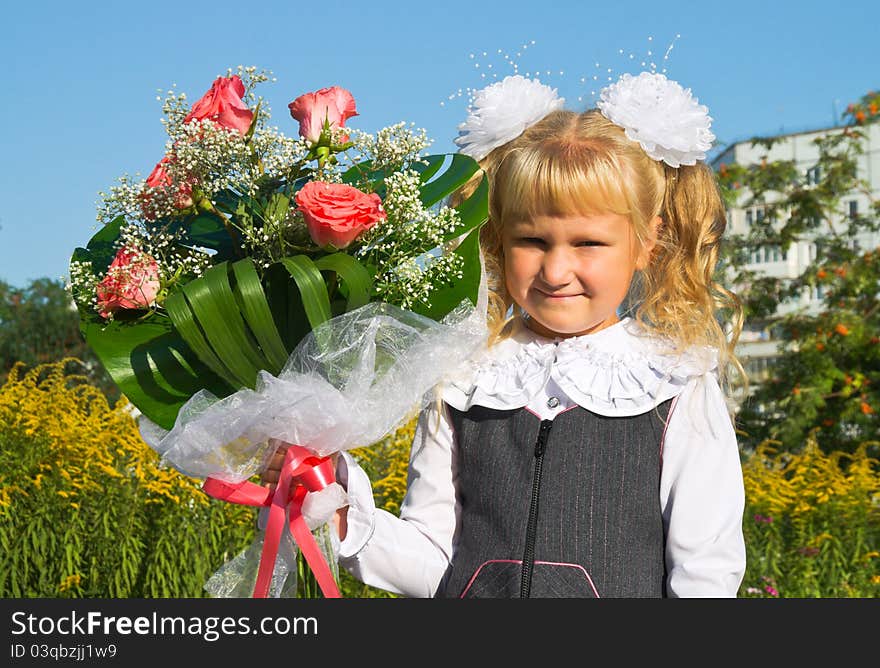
(567, 507)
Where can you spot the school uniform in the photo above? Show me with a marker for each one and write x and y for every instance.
(592, 466)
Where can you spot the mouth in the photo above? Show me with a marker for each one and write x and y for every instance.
(559, 296)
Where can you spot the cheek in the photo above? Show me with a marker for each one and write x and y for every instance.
(517, 272)
(608, 273)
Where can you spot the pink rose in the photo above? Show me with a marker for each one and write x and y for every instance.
(334, 105)
(222, 104)
(160, 178)
(132, 281)
(336, 214)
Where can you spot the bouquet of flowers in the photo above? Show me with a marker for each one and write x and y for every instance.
(259, 288)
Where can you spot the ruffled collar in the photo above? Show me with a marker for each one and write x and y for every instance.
(617, 371)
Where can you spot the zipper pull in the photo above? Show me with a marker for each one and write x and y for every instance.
(541, 443)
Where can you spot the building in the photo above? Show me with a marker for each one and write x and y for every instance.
(758, 347)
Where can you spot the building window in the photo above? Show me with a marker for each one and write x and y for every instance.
(765, 254)
(758, 368)
(813, 175)
(755, 214)
(853, 208)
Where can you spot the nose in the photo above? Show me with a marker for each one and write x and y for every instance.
(557, 269)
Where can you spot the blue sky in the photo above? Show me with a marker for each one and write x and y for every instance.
(81, 79)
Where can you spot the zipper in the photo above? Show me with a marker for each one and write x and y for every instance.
(528, 563)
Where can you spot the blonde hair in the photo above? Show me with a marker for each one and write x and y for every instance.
(581, 163)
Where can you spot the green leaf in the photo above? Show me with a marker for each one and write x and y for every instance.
(101, 248)
(229, 201)
(312, 288)
(277, 208)
(205, 230)
(187, 326)
(426, 171)
(363, 172)
(459, 170)
(152, 365)
(254, 121)
(285, 302)
(293, 187)
(357, 279)
(473, 212)
(374, 179)
(212, 302)
(252, 303)
(444, 299)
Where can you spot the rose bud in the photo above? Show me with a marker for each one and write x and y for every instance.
(336, 214)
(332, 105)
(160, 178)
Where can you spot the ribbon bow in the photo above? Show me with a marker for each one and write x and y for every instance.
(301, 473)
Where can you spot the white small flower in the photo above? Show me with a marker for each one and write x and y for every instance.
(502, 111)
(659, 114)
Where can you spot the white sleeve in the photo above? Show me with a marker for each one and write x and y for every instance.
(407, 555)
(702, 496)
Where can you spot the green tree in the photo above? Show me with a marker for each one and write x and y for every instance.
(40, 324)
(827, 374)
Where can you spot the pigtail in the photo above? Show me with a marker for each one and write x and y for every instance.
(680, 297)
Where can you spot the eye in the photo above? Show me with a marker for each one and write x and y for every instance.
(589, 243)
(531, 241)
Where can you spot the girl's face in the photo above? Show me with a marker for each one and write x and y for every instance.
(570, 273)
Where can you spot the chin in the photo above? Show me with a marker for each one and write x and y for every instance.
(555, 327)
(565, 327)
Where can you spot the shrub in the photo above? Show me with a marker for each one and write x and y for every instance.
(86, 509)
(812, 522)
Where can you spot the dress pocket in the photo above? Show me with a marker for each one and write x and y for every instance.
(501, 578)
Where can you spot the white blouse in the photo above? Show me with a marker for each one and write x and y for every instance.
(614, 372)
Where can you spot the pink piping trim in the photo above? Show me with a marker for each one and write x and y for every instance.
(519, 561)
(570, 408)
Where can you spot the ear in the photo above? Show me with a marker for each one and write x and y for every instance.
(644, 252)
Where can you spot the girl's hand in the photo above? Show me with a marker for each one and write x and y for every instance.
(271, 474)
(269, 477)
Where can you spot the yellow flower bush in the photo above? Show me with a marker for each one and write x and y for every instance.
(86, 510)
(812, 522)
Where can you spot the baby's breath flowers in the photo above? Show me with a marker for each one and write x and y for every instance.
(393, 146)
(407, 278)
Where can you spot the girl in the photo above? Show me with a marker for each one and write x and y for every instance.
(588, 452)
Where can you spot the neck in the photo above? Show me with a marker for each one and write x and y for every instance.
(541, 330)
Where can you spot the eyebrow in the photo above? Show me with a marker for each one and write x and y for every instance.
(583, 229)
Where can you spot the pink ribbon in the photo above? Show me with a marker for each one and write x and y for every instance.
(301, 473)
